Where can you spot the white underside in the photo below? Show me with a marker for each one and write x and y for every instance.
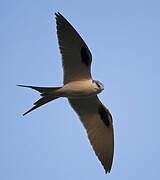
(79, 89)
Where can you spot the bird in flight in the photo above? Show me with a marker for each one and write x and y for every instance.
(81, 91)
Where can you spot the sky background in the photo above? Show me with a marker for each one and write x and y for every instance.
(51, 143)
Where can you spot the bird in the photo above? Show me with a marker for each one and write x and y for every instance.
(81, 91)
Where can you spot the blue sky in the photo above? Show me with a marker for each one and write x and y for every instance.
(51, 143)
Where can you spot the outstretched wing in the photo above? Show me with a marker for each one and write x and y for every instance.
(97, 120)
(76, 56)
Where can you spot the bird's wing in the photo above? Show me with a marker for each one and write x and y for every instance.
(97, 120)
(76, 57)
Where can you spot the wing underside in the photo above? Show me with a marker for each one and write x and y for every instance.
(76, 57)
(97, 121)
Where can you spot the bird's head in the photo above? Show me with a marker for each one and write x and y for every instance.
(98, 85)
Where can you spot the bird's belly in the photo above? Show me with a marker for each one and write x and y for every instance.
(79, 91)
(80, 94)
(75, 93)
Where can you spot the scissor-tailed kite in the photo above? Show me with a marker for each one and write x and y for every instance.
(81, 91)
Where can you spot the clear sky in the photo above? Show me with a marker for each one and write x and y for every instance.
(51, 143)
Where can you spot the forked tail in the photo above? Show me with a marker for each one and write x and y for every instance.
(48, 94)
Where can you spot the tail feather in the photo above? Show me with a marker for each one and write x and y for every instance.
(48, 94)
(41, 89)
(39, 103)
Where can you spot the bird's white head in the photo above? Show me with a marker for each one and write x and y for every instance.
(98, 85)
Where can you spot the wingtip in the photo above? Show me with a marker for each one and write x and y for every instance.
(58, 14)
(107, 171)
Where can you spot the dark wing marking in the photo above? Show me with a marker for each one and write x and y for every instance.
(85, 56)
(105, 116)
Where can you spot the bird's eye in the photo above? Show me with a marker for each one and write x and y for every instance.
(98, 84)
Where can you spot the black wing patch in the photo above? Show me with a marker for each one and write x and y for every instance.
(104, 115)
(85, 56)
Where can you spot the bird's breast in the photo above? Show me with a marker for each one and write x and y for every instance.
(79, 89)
